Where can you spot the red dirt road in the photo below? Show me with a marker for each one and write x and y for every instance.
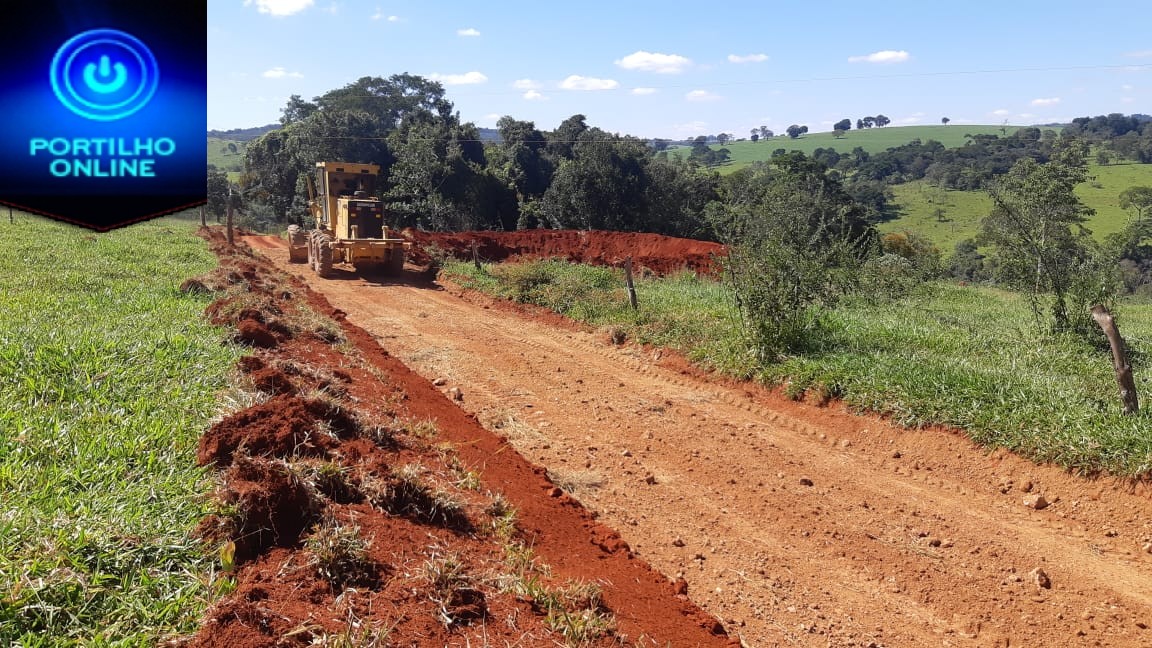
(795, 524)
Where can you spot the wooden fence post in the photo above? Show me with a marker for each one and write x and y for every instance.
(475, 254)
(628, 282)
(229, 216)
(203, 222)
(1120, 364)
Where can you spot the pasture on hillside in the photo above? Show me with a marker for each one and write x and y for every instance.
(963, 210)
(872, 140)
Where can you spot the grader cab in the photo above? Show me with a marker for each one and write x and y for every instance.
(349, 222)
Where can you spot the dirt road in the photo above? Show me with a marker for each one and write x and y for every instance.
(795, 524)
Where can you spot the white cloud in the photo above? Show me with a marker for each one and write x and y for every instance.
(1046, 101)
(468, 78)
(394, 19)
(643, 91)
(1001, 112)
(577, 82)
(654, 62)
(534, 95)
(467, 32)
(1127, 87)
(748, 58)
(701, 95)
(914, 118)
(526, 84)
(280, 7)
(281, 73)
(883, 56)
(1139, 54)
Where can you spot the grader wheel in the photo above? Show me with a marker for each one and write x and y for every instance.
(323, 255)
(396, 261)
(297, 244)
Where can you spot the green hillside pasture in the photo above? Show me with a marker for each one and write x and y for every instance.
(873, 140)
(220, 156)
(967, 357)
(963, 210)
(108, 374)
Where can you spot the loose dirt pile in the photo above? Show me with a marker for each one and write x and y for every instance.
(796, 524)
(660, 254)
(359, 506)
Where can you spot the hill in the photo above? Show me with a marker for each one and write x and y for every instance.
(242, 134)
(872, 140)
(918, 202)
(226, 154)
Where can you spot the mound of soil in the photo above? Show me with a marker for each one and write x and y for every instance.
(371, 510)
(660, 254)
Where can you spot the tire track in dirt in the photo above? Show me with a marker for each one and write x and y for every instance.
(797, 525)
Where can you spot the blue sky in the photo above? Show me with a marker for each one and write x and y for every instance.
(680, 69)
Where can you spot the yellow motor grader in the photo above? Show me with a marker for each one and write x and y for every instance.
(349, 222)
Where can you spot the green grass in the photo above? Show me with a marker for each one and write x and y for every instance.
(107, 376)
(963, 210)
(873, 140)
(967, 357)
(224, 159)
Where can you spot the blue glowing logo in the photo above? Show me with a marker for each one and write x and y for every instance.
(104, 74)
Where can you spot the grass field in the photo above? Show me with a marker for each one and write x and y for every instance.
(221, 156)
(968, 357)
(963, 210)
(873, 140)
(108, 374)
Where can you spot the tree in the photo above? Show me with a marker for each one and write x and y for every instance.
(868, 122)
(218, 190)
(843, 125)
(944, 120)
(755, 135)
(723, 138)
(838, 133)
(1139, 200)
(859, 124)
(765, 133)
(795, 130)
(296, 110)
(1042, 247)
(882, 121)
(796, 244)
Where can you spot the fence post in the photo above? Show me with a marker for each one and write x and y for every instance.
(230, 241)
(475, 254)
(1120, 364)
(628, 282)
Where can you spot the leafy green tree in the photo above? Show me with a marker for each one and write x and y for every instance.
(882, 121)
(795, 130)
(1042, 246)
(796, 245)
(218, 190)
(296, 110)
(562, 140)
(600, 187)
(945, 120)
(843, 125)
(765, 133)
(1138, 200)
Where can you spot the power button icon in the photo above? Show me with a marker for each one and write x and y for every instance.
(104, 74)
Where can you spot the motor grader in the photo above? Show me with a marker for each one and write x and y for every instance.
(349, 222)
